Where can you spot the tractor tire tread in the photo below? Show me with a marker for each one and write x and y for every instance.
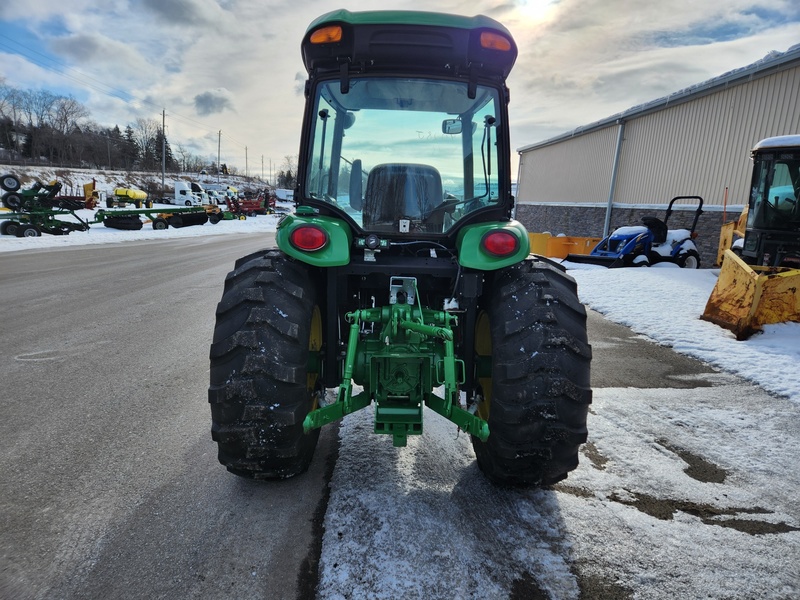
(259, 355)
(540, 377)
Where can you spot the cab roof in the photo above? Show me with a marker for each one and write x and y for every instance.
(406, 17)
(410, 41)
(780, 141)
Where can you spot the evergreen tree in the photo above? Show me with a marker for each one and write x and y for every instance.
(129, 149)
(159, 140)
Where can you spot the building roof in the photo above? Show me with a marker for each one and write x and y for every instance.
(772, 62)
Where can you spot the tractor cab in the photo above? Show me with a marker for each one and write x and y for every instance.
(401, 280)
(406, 130)
(773, 219)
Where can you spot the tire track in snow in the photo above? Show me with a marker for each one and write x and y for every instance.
(422, 521)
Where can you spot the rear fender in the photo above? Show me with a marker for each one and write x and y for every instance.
(472, 253)
(335, 252)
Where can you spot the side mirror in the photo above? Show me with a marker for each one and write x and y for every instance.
(451, 126)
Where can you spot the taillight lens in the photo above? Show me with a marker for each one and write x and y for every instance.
(500, 243)
(327, 35)
(308, 238)
(495, 41)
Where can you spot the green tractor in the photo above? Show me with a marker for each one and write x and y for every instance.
(402, 279)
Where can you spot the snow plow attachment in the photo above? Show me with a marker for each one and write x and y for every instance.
(611, 262)
(747, 297)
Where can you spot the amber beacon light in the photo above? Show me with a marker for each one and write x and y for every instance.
(494, 41)
(327, 35)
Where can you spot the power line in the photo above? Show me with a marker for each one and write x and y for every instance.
(116, 93)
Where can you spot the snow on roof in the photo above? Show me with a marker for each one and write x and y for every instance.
(779, 141)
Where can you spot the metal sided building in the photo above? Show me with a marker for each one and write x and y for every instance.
(695, 142)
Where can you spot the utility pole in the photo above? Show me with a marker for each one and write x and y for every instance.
(219, 144)
(245, 161)
(262, 167)
(163, 148)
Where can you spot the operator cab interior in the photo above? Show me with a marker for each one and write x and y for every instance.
(404, 155)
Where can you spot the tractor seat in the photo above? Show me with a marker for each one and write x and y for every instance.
(657, 227)
(398, 191)
(53, 188)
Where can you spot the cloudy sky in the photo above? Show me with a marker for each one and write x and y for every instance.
(234, 65)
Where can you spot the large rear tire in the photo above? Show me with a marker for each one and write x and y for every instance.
(264, 378)
(537, 395)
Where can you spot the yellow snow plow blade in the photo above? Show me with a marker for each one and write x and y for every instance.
(727, 233)
(747, 297)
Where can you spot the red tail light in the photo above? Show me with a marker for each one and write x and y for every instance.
(309, 238)
(500, 243)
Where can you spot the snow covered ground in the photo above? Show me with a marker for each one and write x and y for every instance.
(630, 522)
(663, 302)
(635, 520)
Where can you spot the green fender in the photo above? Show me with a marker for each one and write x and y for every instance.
(335, 253)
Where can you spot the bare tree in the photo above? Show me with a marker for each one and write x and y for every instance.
(94, 144)
(194, 163)
(290, 163)
(36, 106)
(9, 115)
(5, 93)
(183, 156)
(11, 108)
(66, 113)
(145, 132)
(65, 117)
(287, 177)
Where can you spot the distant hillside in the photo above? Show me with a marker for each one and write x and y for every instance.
(73, 180)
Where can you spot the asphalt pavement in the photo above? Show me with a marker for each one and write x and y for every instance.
(110, 483)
